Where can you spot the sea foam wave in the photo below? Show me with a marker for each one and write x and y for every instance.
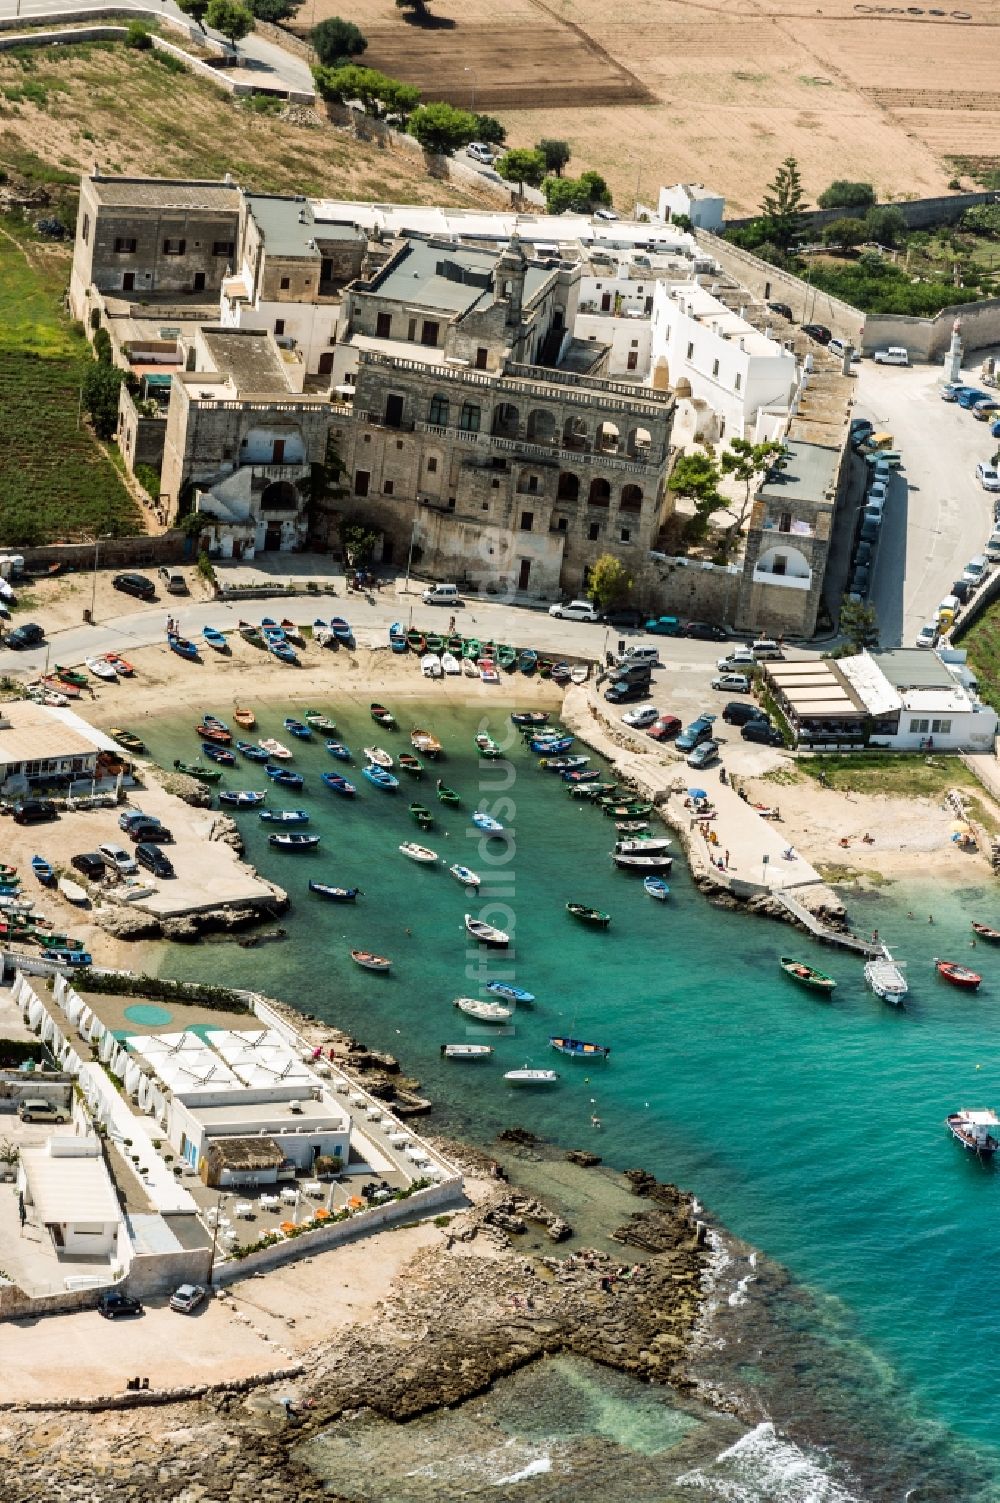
(764, 1467)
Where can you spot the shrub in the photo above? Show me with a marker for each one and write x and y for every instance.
(149, 478)
(335, 41)
(885, 224)
(205, 567)
(843, 194)
(138, 37)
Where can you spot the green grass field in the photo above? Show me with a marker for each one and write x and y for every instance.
(896, 775)
(982, 642)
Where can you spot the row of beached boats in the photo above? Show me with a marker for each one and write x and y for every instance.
(446, 654)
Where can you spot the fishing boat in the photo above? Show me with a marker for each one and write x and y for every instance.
(958, 975)
(660, 863)
(567, 765)
(283, 777)
(241, 798)
(544, 667)
(483, 1012)
(488, 672)
(886, 979)
(335, 894)
(588, 915)
(292, 632)
(275, 749)
(102, 669)
(560, 673)
(297, 728)
(580, 673)
(486, 934)
(369, 962)
(341, 629)
(422, 854)
(416, 641)
(430, 665)
(973, 1129)
(397, 637)
(70, 957)
(486, 746)
(383, 717)
(627, 811)
(506, 657)
(411, 764)
(121, 665)
(294, 842)
(487, 823)
(807, 975)
(378, 757)
(465, 875)
(657, 888)
(182, 647)
(631, 826)
(529, 717)
(445, 794)
(128, 739)
(379, 778)
(269, 625)
(196, 770)
(60, 686)
(527, 1077)
(422, 815)
(551, 745)
(218, 754)
(435, 642)
(981, 931)
(470, 668)
(528, 660)
(651, 846)
(423, 741)
(508, 992)
(43, 870)
(455, 643)
(466, 1051)
(283, 652)
(209, 731)
(339, 750)
(71, 676)
(72, 891)
(472, 649)
(251, 752)
(320, 722)
(58, 942)
(245, 717)
(249, 632)
(284, 816)
(215, 639)
(578, 1048)
(322, 635)
(337, 784)
(450, 664)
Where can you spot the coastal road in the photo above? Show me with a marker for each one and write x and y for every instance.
(938, 515)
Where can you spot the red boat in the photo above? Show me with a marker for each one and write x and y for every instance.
(61, 686)
(119, 664)
(214, 733)
(958, 975)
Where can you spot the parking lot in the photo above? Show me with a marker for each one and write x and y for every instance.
(938, 516)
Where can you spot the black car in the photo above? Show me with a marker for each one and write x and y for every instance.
(819, 332)
(135, 584)
(705, 631)
(626, 694)
(760, 730)
(28, 635)
(152, 858)
(961, 590)
(739, 712)
(91, 863)
(32, 811)
(113, 1303)
(149, 832)
(783, 309)
(627, 617)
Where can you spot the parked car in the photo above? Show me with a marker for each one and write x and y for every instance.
(28, 635)
(733, 683)
(641, 718)
(819, 332)
(703, 754)
(118, 860)
(985, 410)
(135, 817)
(664, 626)
(763, 732)
(665, 729)
(480, 152)
(627, 617)
(113, 1303)
(740, 657)
(950, 391)
(37, 1109)
(927, 635)
(575, 610)
(90, 863)
(34, 811)
(187, 1298)
(783, 310)
(975, 570)
(860, 580)
(442, 594)
(625, 694)
(648, 655)
(988, 477)
(705, 631)
(739, 711)
(995, 430)
(863, 556)
(840, 348)
(869, 528)
(135, 584)
(962, 589)
(177, 584)
(894, 355)
(152, 858)
(608, 215)
(970, 395)
(692, 735)
(149, 831)
(636, 675)
(764, 648)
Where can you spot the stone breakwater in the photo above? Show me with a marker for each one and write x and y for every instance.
(464, 1312)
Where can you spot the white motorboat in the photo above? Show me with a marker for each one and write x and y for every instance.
(486, 934)
(133, 889)
(643, 863)
(470, 668)
(528, 1077)
(488, 673)
(378, 757)
(886, 979)
(973, 1129)
(654, 847)
(466, 1051)
(465, 875)
(421, 853)
(100, 669)
(483, 1012)
(430, 665)
(450, 664)
(580, 673)
(275, 749)
(73, 891)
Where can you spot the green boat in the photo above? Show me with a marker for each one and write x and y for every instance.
(415, 640)
(447, 795)
(544, 668)
(588, 915)
(195, 770)
(487, 747)
(807, 975)
(472, 648)
(72, 676)
(422, 815)
(128, 739)
(455, 644)
(435, 643)
(506, 657)
(411, 764)
(57, 942)
(628, 811)
(591, 791)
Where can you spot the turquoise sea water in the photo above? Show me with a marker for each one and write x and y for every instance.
(812, 1129)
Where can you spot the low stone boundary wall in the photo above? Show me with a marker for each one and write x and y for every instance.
(138, 1398)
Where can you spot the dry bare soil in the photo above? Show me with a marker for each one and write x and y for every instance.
(657, 91)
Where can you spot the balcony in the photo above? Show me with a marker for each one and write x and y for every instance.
(783, 581)
(263, 475)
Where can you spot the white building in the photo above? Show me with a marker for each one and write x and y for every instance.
(70, 1191)
(706, 211)
(41, 745)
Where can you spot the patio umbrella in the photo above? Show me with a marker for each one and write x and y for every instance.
(697, 793)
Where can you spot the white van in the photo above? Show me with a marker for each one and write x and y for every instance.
(442, 594)
(993, 548)
(975, 569)
(766, 647)
(894, 355)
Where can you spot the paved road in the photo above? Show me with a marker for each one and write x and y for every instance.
(938, 515)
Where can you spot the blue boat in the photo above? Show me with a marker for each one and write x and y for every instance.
(214, 722)
(182, 647)
(563, 764)
(216, 753)
(657, 888)
(69, 957)
(488, 823)
(334, 781)
(551, 745)
(297, 728)
(284, 816)
(341, 629)
(380, 778)
(512, 993)
(397, 637)
(282, 651)
(581, 777)
(335, 894)
(528, 661)
(42, 870)
(268, 624)
(293, 842)
(242, 798)
(215, 639)
(251, 752)
(283, 777)
(579, 1048)
(339, 750)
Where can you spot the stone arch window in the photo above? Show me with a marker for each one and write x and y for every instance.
(470, 417)
(541, 426)
(437, 413)
(640, 442)
(608, 437)
(280, 495)
(600, 493)
(631, 498)
(569, 486)
(506, 421)
(576, 434)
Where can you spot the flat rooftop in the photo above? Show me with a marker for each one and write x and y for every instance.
(33, 733)
(698, 303)
(248, 357)
(914, 668)
(274, 1116)
(68, 1189)
(447, 275)
(164, 193)
(809, 473)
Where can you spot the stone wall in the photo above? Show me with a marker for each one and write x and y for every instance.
(770, 283)
(918, 213)
(688, 588)
(116, 553)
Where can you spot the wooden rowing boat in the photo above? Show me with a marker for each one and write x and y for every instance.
(807, 975)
